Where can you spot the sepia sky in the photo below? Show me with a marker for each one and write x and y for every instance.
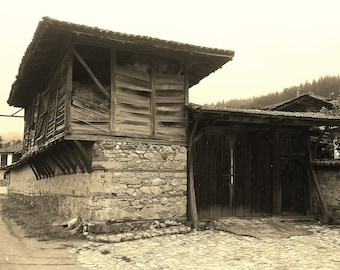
(277, 44)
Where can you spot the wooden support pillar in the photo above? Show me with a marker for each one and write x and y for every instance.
(68, 91)
(315, 183)
(192, 194)
(153, 97)
(113, 98)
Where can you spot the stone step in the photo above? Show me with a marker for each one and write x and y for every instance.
(136, 235)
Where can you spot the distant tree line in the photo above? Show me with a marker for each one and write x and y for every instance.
(326, 86)
(9, 143)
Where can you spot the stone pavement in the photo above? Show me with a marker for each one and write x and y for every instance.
(266, 245)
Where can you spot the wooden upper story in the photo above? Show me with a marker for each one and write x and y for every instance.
(83, 83)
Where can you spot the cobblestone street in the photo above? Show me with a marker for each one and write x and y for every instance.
(319, 248)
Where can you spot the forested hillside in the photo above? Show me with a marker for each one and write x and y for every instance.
(326, 86)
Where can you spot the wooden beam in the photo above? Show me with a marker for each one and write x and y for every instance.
(75, 156)
(42, 159)
(34, 170)
(92, 75)
(68, 90)
(153, 98)
(83, 156)
(55, 113)
(90, 124)
(58, 163)
(192, 194)
(113, 87)
(63, 153)
(38, 168)
(186, 94)
(315, 182)
(64, 162)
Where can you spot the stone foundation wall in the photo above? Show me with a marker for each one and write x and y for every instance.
(329, 180)
(130, 181)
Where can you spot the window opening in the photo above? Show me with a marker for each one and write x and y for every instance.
(98, 60)
(4, 160)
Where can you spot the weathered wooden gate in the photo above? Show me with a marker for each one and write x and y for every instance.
(293, 176)
(232, 175)
(212, 174)
(248, 174)
(252, 187)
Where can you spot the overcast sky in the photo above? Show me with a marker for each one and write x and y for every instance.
(277, 44)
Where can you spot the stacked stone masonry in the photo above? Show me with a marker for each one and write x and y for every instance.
(329, 179)
(130, 181)
(133, 181)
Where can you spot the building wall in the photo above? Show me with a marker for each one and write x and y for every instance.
(329, 180)
(129, 181)
(6, 159)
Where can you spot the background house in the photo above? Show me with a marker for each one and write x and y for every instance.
(9, 154)
(307, 102)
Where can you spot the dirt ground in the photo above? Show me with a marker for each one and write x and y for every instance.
(38, 224)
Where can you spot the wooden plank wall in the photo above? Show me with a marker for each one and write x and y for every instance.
(133, 101)
(147, 100)
(170, 100)
(56, 118)
(28, 136)
(90, 112)
(44, 117)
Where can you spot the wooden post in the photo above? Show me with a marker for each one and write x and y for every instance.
(113, 87)
(153, 97)
(315, 182)
(186, 95)
(192, 195)
(68, 90)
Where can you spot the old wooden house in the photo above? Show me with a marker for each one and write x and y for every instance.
(106, 123)
(110, 134)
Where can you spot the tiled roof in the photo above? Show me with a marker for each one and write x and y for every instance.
(52, 36)
(125, 38)
(311, 98)
(265, 113)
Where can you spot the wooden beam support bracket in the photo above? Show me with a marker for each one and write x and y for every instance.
(83, 156)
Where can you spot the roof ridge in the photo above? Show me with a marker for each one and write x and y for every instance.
(52, 21)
